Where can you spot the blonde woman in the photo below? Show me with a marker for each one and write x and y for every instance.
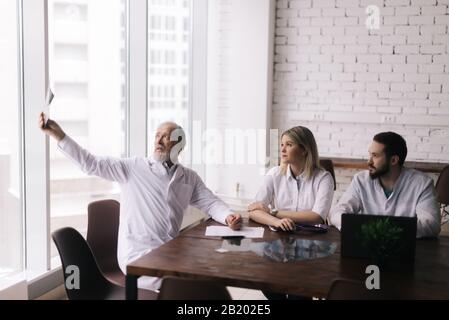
(297, 191)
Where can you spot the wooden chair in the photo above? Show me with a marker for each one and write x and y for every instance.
(328, 165)
(75, 251)
(102, 237)
(442, 189)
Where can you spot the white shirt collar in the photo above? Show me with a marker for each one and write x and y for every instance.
(170, 170)
(291, 176)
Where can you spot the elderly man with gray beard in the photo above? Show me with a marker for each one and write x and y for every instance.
(155, 192)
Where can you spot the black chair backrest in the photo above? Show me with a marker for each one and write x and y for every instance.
(102, 232)
(74, 251)
(192, 289)
(442, 186)
(328, 165)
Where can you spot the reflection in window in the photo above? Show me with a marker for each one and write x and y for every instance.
(11, 231)
(87, 50)
(168, 63)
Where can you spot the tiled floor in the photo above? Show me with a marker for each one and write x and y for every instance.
(245, 294)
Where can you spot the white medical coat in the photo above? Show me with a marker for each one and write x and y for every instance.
(413, 196)
(152, 202)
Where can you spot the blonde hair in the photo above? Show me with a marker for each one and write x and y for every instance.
(304, 137)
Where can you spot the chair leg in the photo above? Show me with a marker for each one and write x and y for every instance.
(131, 287)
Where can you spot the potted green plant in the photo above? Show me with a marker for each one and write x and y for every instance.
(382, 240)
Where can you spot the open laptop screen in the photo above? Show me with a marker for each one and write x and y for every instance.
(368, 236)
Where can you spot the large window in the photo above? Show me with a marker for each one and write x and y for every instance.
(88, 61)
(168, 63)
(11, 227)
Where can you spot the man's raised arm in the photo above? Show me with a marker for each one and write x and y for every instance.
(114, 169)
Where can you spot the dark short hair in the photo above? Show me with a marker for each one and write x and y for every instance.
(394, 143)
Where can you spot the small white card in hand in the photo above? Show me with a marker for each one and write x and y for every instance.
(48, 99)
(247, 232)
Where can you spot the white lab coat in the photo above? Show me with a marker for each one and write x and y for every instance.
(413, 196)
(288, 193)
(153, 200)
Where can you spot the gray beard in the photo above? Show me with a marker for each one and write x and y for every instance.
(161, 157)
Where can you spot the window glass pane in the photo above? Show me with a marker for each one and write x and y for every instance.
(87, 55)
(11, 235)
(168, 64)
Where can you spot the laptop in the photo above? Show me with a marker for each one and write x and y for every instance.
(362, 234)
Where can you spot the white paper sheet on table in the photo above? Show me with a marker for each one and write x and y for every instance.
(248, 232)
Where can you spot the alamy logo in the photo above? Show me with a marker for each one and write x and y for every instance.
(72, 282)
(372, 22)
(373, 280)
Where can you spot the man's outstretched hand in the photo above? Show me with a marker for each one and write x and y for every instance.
(52, 128)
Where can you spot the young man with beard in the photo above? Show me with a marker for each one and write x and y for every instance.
(389, 188)
(155, 192)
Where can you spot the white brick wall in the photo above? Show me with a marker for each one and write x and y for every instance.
(347, 83)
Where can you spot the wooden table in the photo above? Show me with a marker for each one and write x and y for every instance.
(193, 255)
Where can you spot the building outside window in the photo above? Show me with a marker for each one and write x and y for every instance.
(11, 213)
(168, 65)
(87, 59)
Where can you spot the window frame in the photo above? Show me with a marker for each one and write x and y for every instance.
(198, 79)
(16, 275)
(35, 149)
(137, 78)
(35, 144)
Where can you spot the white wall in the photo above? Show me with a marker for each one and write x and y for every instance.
(347, 83)
(240, 34)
